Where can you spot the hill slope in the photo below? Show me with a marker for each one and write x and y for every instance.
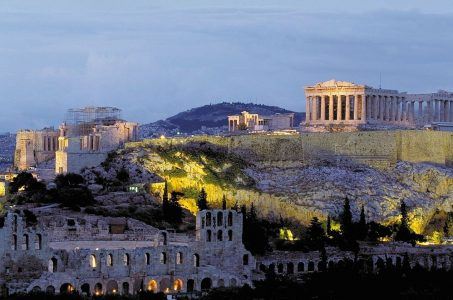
(211, 116)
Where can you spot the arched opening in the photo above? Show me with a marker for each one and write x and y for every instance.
(25, 242)
(109, 260)
(245, 259)
(36, 289)
(50, 290)
(112, 287)
(219, 218)
(311, 266)
(233, 282)
(66, 288)
(93, 263)
(208, 219)
(85, 288)
(126, 259)
(331, 265)
(163, 258)
(14, 244)
(53, 264)
(125, 288)
(272, 268)
(179, 258)
(300, 267)
(208, 235)
(321, 266)
(196, 260)
(147, 259)
(230, 219)
(230, 235)
(290, 268)
(190, 285)
(163, 236)
(152, 286)
(280, 268)
(165, 285)
(98, 289)
(38, 242)
(206, 284)
(380, 264)
(220, 235)
(220, 283)
(177, 285)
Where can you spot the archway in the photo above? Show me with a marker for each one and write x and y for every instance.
(98, 289)
(220, 283)
(36, 289)
(152, 286)
(190, 285)
(50, 290)
(290, 268)
(311, 266)
(125, 288)
(85, 288)
(177, 285)
(112, 287)
(300, 267)
(206, 284)
(165, 285)
(280, 268)
(233, 282)
(53, 265)
(66, 288)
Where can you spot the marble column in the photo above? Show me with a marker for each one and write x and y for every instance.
(315, 108)
(331, 108)
(339, 108)
(436, 110)
(348, 107)
(447, 111)
(364, 108)
(307, 110)
(387, 108)
(381, 108)
(356, 107)
(430, 110)
(420, 111)
(376, 107)
(403, 110)
(323, 108)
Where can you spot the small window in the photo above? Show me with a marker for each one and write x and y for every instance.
(245, 259)
(220, 235)
(179, 258)
(147, 259)
(196, 260)
(208, 235)
(93, 263)
(126, 259)
(38, 242)
(219, 218)
(230, 235)
(163, 258)
(208, 219)
(230, 219)
(109, 260)
(25, 242)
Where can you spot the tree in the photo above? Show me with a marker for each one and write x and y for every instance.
(254, 235)
(202, 202)
(404, 233)
(362, 227)
(173, 210)
(377, 231)
(346, 220)
(26, 182)
(165, 202)
(123, 175)
(69, 180)
(315, 235)
(328, 226)
(224, 202)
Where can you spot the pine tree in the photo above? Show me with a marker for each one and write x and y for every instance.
(346, 220)
(224, 203)
(315, 235)
(202, 202)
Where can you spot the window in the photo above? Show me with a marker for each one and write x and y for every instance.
(208, 219)
(219, 218)
(147, 259)
(203, 220)
(25, 242)
(109, 260)
(14, 245)
(208, 235)
(53, 265)
(230, 235)
(93, 263)
(230, 219)
(245, 259)
(220, 235)
(179, 258)
(126, 259)
(196, 260)
(163, 258)
(38, 242)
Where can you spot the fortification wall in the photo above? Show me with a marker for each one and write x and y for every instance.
(376, 148)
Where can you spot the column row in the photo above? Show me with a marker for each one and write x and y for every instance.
(335, 108)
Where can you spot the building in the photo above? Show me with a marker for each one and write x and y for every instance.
(255, 122)
(340, 103)
(98, 255)
(34, 147)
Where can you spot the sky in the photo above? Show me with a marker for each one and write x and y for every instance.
(154, 59)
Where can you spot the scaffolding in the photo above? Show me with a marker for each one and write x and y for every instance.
(80, 121)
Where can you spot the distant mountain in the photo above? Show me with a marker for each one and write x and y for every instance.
(7, 145)
(210, 118)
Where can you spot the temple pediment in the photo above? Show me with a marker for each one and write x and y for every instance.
(335, 83)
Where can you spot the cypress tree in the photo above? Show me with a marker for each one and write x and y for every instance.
(346, 219)
(404, 233)
(328, 226)
(202, 202)
(362, 226)
(165, 202)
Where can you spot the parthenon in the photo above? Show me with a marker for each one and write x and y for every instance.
(345, 103)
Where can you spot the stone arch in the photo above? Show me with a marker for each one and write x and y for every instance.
(196, 260)
(178, 285)
(233, 282)
(85, 288)
(208, 235)
(165, 285)
(290, 268)
(179, 258)
(206, 284)
(38, 242)
(53, 265)
(208, 219)
(219, 218)
(230, 235)
(109, 260)
(36, 289)
(152, 286)
(163, 258)
(220, 283)
(126, 288)
(190, 285)
(311, 266)
(66, 288)
(230, 219)
(50, 290)
(245, 259)
(300, 267)
(92, 260)
(25, 242)
(126, 259)
(112, 287)
(147, 258)
(98, 289)
(280, 268)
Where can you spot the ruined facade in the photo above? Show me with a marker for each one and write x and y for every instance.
(34, 147)
(340, 103)
(256, 122)
(96, 255)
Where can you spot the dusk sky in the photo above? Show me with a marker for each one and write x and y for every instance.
(154, 59)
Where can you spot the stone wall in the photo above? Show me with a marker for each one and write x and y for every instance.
(74, 162)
